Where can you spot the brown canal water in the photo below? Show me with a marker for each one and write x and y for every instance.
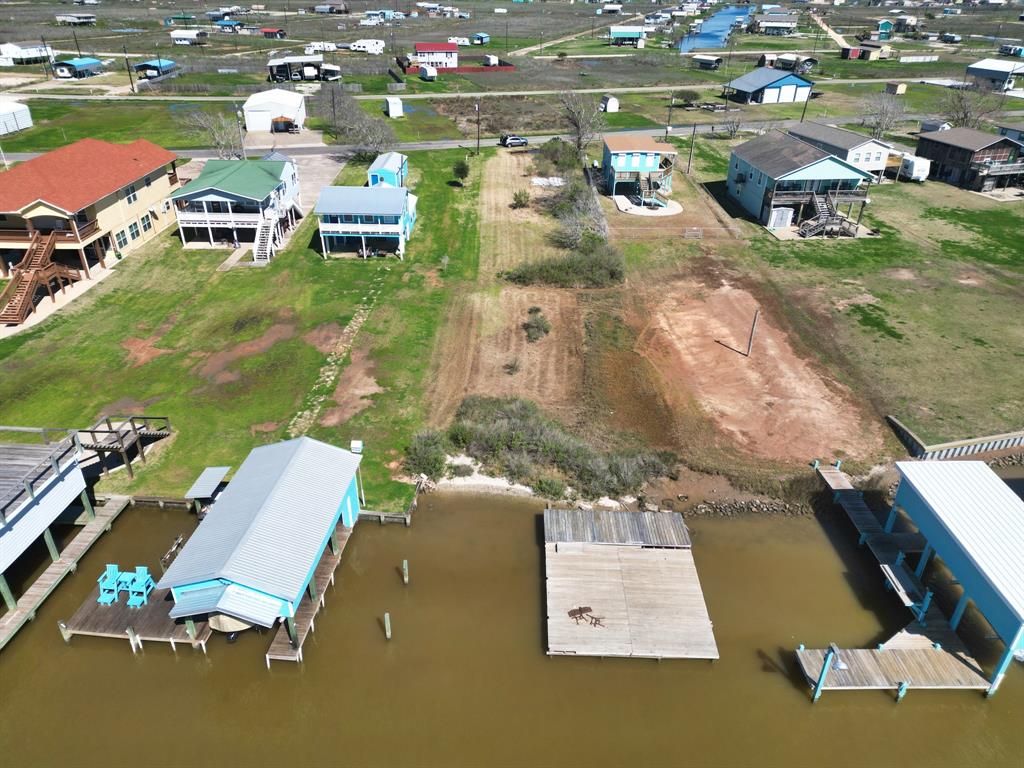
(465, 680)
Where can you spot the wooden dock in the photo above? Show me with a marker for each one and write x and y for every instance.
(66, 563)
(148, 623)
(929, 656)
(926, 654)
(645, 595)
(282, 649)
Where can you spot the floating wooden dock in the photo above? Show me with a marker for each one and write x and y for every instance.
(66, 563)
(282, 649)
(635, 574)
(927, 654)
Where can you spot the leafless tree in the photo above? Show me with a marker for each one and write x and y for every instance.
(350, 124)
(969, 107)
(732, 123)
(585, 118)
(882, 112)
(217, 130)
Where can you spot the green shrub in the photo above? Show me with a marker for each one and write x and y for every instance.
(513, 437)
(460, 470)
(460, 170)
(599, 266)
(537, 327)
(427, 454)
(560, 154)
(548, 487)
(521, 198)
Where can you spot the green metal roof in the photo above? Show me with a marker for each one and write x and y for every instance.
(254, 179)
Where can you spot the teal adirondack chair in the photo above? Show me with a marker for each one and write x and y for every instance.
(141, 586)
(108, 581)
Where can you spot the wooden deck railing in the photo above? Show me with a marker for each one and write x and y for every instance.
(18, 235)
(50, 466)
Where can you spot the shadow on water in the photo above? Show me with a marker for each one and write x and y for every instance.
(542, 582)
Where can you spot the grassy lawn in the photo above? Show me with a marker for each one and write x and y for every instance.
(445, 83)
(629, 120)
(421, 122)
(230, 358)
(918, 319)
(61, 122)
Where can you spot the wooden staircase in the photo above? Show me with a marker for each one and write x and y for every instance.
(263, 250)
(36, 270)
(826, 221)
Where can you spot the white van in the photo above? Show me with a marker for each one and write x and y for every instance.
(373, 47)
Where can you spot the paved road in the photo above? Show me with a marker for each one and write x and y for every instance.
(461, 95)
(344, 152)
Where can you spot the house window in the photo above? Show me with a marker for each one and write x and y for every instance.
(121, 240)
(130, 194)
(133, 230)
(147, 224)
(856, 157)
(878, 155)
(148, 182)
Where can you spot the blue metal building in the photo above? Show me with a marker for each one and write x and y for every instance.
(389, 170)
(974, 522)
(766, 85)
(254, 555)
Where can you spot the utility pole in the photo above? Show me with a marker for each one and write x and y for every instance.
(478, 128)
(671, 104)
(693, 140)
(48, 64)
(807, 101)
(77, 46)
(753, 327)
(128, 68)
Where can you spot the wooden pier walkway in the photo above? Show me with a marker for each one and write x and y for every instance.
(282, 649)
(927, 653)
(48, 580)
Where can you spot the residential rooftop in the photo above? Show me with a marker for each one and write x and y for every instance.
(252, 179)
(831, 135)
(966, 138)
(636, 142)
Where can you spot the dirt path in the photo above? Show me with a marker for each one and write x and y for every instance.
(483, 336)
(773, 404)
(839, 39)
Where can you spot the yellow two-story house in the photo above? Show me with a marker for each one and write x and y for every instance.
(67, 210)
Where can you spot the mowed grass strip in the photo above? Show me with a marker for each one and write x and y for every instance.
(228, 356)
(62, 122)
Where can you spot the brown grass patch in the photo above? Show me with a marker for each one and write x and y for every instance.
(324, 337)
(352, 393)
(214, 368)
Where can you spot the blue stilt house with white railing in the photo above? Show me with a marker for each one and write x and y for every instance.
(974, 522)
(637, 166)
(254, 555)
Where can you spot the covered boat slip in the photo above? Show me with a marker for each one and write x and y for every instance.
(972, 520)
(623, 584)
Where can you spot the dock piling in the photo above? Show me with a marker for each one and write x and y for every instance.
(901, 692)
(405, 572)
(830, 656)
(63, 627)
(387, 625)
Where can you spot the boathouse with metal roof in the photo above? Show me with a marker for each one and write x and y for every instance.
(974, 522)
(254, 556)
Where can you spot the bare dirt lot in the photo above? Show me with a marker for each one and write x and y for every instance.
(484, 334)
(773, 404)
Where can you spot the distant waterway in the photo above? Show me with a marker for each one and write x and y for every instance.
(714, 32)
(465, 680)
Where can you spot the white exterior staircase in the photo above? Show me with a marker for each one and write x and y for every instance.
(263, 250)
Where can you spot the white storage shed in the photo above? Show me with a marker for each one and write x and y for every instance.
(274, 110)
(14, 116)
(393, 107)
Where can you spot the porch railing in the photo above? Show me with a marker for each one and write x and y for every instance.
(804, 196)
(18, 235)
(997, 169)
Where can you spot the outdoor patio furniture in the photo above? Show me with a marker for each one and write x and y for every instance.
(124, 581)
(141, 585)
(108, 585)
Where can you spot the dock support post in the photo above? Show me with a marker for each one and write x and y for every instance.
(51, 546)
(90, 513)
(387, 626)
(958, 612)
(190, 628)
(5, 590)
(901, 691)
(1004, 663)
(925, 604)
(405, 572)
(890, 521)
(312, 590)
(826, 665)
(293, 635)
(919, 571)
(334, 543)
(64, 631)
(133, 639)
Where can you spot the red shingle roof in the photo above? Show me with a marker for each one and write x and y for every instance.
(72, 177)
(435, 47)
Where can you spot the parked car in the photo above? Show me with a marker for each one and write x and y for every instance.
(508, 140)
